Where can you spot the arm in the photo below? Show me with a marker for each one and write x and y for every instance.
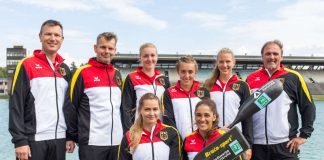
(307, 112)
(168, 114)
(123, 150)
(184, 153)
(20, 91)
(72, 102)
(247, 125)
(128, 104)
(175, 145)
(306, 109)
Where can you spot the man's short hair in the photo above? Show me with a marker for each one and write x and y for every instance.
(276, 42)
(107, 36)
(51, 23)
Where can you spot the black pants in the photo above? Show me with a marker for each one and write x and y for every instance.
(273, 152)
(88, 152)
(48, 149)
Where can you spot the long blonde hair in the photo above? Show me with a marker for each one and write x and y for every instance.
(135, 132)
(215, 74)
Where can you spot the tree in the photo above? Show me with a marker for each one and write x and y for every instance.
(73, 67)
(3, 72)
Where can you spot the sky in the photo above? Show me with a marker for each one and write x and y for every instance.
(174, 26)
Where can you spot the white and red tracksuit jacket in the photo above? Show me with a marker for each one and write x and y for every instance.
(135, 86)
(94, 117)
(36, 100)
(229, 96)
(179, 107)
(161, 143)
(194, 143)
(278, 122)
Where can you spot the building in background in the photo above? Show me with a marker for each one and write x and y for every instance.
(14, 55)
(3, 86)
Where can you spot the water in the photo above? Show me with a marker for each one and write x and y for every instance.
(7, 151)
(312, 150)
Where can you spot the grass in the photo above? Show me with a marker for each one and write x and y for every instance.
(318, 97)
(4, 96)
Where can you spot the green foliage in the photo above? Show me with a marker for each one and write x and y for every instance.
(73, 67)
(3, 72)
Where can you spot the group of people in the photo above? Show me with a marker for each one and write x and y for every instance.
(143, 117)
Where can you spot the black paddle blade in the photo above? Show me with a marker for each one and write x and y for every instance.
(258, 100)
(227, 147)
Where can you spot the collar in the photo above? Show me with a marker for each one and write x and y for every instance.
(215, 133)
(155, 128)
(93, 61)
(194, 87)
(140, 72)
(276, 73)
(58, 59)
(231, 80)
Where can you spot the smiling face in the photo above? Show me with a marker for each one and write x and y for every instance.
(204, 117)
(187, 73)
(51, 38)
(105, 50)
(225, 63)
(272, 57)
(150, 112)
(148, 57)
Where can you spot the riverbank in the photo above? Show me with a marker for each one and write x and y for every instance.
(318, 97)
(4, 96)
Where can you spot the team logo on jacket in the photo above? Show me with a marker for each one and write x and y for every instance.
(164, 135)
(236, 87)
(200, 93)
(38, 66)
(118, 79)
(96, 79)
(62, 71)
(161, 80)
(282, 80)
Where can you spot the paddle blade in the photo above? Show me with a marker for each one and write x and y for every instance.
(258, 100)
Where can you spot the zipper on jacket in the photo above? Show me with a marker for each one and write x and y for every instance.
(224, 108)
(56, 95)
(152, 144)
(112, 107)
(154, 87)
(189, 97)
(265, 117)
(57, 108)
(224, 91)
(265, 124)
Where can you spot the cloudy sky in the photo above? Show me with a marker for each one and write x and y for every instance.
(175, 26)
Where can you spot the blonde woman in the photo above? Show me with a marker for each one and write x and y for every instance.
(149, 138)
(229, 93)
(146, 79)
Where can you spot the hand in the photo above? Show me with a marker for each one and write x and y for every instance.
(70, 146)
(224, 128)
(23, 152)
(248, 154)
(295, 143)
